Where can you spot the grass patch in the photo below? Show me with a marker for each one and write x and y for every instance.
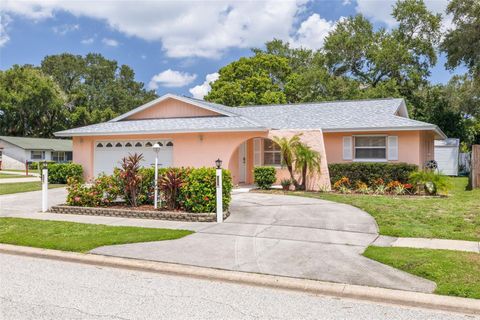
(454, 217)
(455, 273)
(16, 187)
(78, 237)
(9, 175)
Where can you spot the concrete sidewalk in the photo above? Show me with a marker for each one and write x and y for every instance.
(15, 179)
(424, 243)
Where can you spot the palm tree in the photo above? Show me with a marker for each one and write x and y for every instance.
(288, 148)
(308, 161)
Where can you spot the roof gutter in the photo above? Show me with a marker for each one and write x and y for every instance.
(110, 133)
(433, 128)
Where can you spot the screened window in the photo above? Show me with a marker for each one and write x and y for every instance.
(128, 144)
(118, 145)
(148, 144)
(99, 145)
(271, 153)
(109, 145)
(370, 147)
(138, 144)
(37, 155)
(59, 156)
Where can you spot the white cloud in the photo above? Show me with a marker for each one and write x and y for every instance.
(185, 28)
(201, 90)
(88, 40)
(65, 28)
(110, 42)
(381, 10)
(312, 32)
(4, 22)
(171, 79)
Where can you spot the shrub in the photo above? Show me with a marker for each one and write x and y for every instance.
(170, 184)
(60, 172)
(264, 177)
(82, 195)
(103, 191)
(130, 179)
(343, 182)
(198, 193)
(370, 172)
(430, 182)
(286, 184)
(362, 187)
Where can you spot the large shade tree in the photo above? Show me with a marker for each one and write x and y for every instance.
(31, 103)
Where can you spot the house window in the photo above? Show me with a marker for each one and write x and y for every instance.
(69, 155)
(370, 148)
(58, 156)
(271, 153)
(37, 155)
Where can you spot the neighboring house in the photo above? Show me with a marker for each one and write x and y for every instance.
(195, 133)
(16, 151)
(447, 155)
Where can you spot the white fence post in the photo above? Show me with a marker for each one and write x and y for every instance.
(44, 188)
(219, 195)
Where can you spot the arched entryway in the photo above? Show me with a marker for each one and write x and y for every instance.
(257, 151)
(263, 151)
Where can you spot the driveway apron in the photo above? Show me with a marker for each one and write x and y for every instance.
(286, 236)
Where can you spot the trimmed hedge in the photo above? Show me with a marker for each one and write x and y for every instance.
(198, 194)
(264, 177)
(60, 172)
(368, 172)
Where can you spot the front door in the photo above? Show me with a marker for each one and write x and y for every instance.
(242, 162)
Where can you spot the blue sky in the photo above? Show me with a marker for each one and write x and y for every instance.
(173, 46)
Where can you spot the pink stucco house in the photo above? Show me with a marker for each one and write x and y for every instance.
(195, 133)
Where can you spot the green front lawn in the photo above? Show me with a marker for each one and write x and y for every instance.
(8, 188)
(454, 217)
(78, 237)
(455, 273)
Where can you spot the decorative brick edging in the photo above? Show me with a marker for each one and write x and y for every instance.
(125, 213)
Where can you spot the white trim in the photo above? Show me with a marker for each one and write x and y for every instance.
(404, 128)
(113, 133)
(385, 147)
(165, 97)
(369, 160)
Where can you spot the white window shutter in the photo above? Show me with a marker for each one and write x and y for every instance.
(347, 148)
(392, 148)
(257, 152)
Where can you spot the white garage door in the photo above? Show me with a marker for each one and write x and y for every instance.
(109, 153)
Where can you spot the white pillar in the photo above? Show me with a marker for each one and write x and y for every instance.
(219, 195)
(44, 189)
(156, 183)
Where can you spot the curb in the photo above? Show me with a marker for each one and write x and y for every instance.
(390, 296)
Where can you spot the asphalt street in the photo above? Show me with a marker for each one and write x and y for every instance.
(32, 288)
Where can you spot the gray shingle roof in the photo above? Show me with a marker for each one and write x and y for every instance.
(200, 124)
(328, 116)
(39, 143)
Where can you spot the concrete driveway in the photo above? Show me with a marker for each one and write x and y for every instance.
(283, 235)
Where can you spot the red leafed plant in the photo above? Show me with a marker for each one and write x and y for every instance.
(130, 178)
(170, 184)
